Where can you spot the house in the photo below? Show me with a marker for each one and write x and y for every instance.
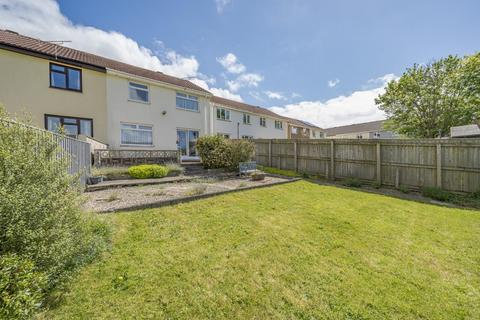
(298, 129)
(468, 131)
(238, 120)
(121, 105)
(366, 130)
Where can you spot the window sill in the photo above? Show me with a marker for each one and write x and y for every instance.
(66, 89)
(194, 111)
(139, 101)
(247, 124)
(225, 120)
(137, 145)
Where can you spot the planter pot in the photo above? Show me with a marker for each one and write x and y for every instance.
(94, 180)
(257, 176)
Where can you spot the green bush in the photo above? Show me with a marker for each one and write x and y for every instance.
(437, 194)
(352, 182)
(218, 152)
(21, 287)
(40, 217)
(148, 171)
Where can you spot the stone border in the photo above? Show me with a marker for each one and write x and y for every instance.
(164, 203)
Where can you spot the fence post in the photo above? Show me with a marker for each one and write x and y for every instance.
(439, 165)
(379, 164)
(295, 156)
(332, 159)
(270, 153)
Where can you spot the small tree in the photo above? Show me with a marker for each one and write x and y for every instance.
(429, 99)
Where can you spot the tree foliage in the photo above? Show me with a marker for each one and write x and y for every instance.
(429, 99)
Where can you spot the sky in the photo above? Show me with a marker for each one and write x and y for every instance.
(319, 61)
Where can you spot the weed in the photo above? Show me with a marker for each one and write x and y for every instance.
(403, 188)
(112, 197)
(197, 190)
(352, 182)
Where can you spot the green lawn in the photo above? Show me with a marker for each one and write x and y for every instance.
(299, 250)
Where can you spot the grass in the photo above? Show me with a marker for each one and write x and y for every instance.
(113, 197)
(295, 251)
(287, 173)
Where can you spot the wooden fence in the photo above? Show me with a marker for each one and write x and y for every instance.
(451, 164)
(76, 153)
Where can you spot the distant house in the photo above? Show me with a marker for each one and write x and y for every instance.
(298, 129)
(366, 130)
(468, 131)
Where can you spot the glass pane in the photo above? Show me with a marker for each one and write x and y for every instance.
(137, 94)
(53, 124)
(192, 141)
(57, 68)
(130, 136)
(70, 120)
(58, 80)
(182, 141)
(181, 95)
(86, 127)
(137, 85)
(218, 114)
(193, 97)
(70, 129)
(73, 79)
(145, 127)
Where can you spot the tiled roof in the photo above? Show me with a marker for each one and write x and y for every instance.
(257, 110)
(17, 41)
(358, 127)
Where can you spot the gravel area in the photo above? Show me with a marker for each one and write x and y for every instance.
(122, 198)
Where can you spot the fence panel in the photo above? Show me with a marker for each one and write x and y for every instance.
(74, 152)
(452, 164)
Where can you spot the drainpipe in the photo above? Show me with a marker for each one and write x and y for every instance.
(238, 130)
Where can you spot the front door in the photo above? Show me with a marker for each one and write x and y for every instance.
(186, 141)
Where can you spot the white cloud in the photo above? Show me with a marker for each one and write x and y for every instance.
(224, 93)
(333, 83)
(275, 95)
(231, 64)
(43, 19)
(256, 95)
(245, 80)
(295, 95)
(221, 5)
(342, 110)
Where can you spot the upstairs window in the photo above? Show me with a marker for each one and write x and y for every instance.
(246, 137)
(278, 124)
(246, 118)
(223, 114)
(224, 135)
(187, 102)
(138, 92)
(63, 77)
(263, 122)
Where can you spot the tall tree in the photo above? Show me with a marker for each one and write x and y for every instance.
(429, 99)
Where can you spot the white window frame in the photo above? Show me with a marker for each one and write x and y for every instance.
(226, 114)
(188, 97)
(245, 117)
(136, 129)
(278, 124)
(263, 122)
(247, 137)
(224, 135)
(131, 85)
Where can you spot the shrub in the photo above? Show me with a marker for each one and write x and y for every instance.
(21, 287)
(147, 171)
(352, 182)
(218, 152)
(213, 150)
(111, 173)
(376, 185)
(174, 168)
(437, 194)
(40, 219)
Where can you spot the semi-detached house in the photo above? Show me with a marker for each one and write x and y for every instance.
(121, 105)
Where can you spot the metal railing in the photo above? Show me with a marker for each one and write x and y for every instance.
(76, 153)
(112, 157)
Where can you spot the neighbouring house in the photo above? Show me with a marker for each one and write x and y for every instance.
(366, 130)
(298, 129)
(238, 120)
(121, 105)
(468, 131)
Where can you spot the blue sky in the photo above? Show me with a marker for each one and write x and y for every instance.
(320, 61)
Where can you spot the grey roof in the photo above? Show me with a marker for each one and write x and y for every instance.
(471, 130)
(354, 128)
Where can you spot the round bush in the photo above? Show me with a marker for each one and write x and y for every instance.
(148, 171)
